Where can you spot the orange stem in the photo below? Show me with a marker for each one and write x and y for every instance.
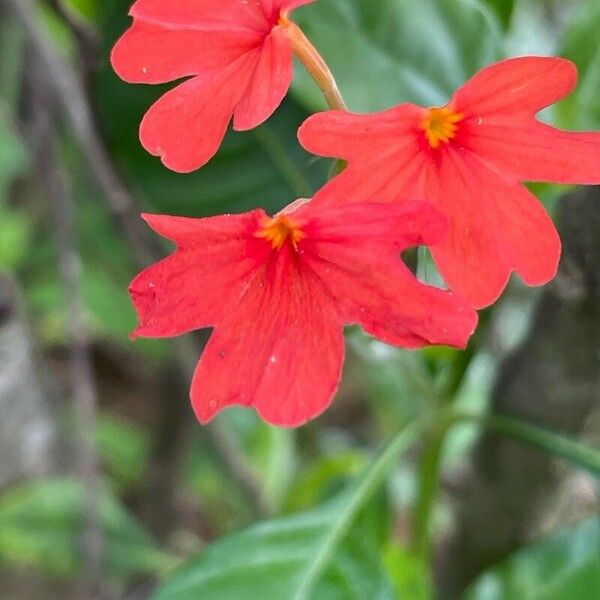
(315, 65)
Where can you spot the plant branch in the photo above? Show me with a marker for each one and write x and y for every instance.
(55, 182)
(429, 480)
(69, 92)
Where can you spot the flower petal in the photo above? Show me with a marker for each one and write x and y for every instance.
(348, 135)
(269, 84)
(534, 151)
(186, 126)
(203, 15)
(516, 86)
(149, 53)
(290, 5)
(280, 352)
(395, 227)
(497, 226)
(195, 286)
(359, 262)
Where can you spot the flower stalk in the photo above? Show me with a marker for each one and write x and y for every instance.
(313, 62)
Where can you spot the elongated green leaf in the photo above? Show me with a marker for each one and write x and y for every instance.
(504, 9)
(402, 50)
(40, 527)
(303, 556)
(565, 567)
(410, 574)
(582, 45)
(560, 445)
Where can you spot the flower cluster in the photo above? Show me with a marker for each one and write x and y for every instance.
(279, 290)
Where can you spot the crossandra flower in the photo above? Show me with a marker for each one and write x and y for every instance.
(469, 157)
(278, 292)
(236, 56)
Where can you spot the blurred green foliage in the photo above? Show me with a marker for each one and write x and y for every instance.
(336, 538)
(326, 551)
(565, 567)
(415, 52)
(40, 526)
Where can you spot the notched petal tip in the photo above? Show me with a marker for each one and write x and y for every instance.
(151, 219)
(180, 163)
(143, 298)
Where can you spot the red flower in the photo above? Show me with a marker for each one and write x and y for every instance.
(278, 292)
(237, 55)
(469, 157)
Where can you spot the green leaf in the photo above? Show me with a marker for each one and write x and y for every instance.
(299, 557)
(405, 50)
(124, 447)
(565, 567)
(13, 155)
(41, 523)
(16, 231)
(503, 8)
(533, 29)
(582, 45)
(411, 576)
(325, 475)
(12, 56)
(557, 444)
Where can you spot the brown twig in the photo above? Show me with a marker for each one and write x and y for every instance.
(56, 184)
(69, 92)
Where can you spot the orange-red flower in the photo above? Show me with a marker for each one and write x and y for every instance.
(278, 292)
(470, 158)
(236, 55)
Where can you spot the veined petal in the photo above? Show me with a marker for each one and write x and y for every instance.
(203, 15)
(343, 134)
(281, 351)
(533, 151)
(269, 84)
(195, 286)
(516, 86)
(395, 227)
(186, 126)
(497, 226)
(395, 174)
(292, 4)
(360, 265)
(149, 53)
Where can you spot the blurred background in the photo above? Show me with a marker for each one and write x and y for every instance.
(108, 484)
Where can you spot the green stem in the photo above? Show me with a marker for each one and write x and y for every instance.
(428, 491)
(434, 427)
(557, 444)
(358, 495)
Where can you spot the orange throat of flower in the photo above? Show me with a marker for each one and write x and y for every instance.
(284, 19)
(281, 229)
(440, 125)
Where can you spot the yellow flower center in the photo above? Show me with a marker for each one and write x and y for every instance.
(280, 229)
(440, 125)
